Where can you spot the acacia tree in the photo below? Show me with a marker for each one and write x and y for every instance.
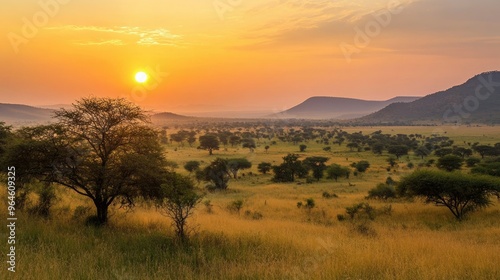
(248, 143)
(178, 200)
(218, 174)
(317, 164)
(335, 171)
(398, 150)
(460, 193)
(102, 149)
(209, 142)
(236, 164)
(450, 163)
(264, 167)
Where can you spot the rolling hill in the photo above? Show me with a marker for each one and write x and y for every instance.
(23, 114)
(323, 107)
(475, 101)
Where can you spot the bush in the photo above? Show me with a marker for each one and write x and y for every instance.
(472, 161)
(361, 210)
(329, 195)
(309, 204)
(253, 215)
(341, 217)
(382, 191)
(236, 206)
(450, 163)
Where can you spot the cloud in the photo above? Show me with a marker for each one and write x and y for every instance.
(100, 43)
(282, 23)
(128, 34)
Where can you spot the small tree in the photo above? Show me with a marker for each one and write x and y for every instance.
(362, 166)
(264, 167)
(209, 142)
(218, 174)
(336, 171)
(248, 143)
(398, 150)
(460, 193)
(234, 140)
(450, 163)
(472, 161)
(422, 152)
(289, 169)
(382, 191)
(192, 165)
(317, 164)
(392, 160)
(266, 148)
(485, 150)
(178, 202)
(236, 164)
(302, 148)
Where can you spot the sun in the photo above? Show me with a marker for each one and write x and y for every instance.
(141, 77)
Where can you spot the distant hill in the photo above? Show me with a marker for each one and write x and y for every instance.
(168, 116)
(23, 114)
(459, 104)
(323, 107)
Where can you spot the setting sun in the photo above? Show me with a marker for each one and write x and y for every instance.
(141, 77)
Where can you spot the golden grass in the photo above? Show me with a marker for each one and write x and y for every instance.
(416, 241)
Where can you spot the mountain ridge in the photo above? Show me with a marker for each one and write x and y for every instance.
(329, 107)
(476, 100)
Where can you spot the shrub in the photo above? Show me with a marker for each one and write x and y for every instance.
(253, 215)
(329, 195)
(309, 204)
(361, 210)
(382, 191)
(472, 161)
(236, 206)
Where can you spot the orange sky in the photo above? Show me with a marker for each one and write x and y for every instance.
(249, 55)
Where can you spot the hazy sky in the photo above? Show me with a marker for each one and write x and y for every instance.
(211, 55)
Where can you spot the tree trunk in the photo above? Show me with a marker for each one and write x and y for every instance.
(102, 212)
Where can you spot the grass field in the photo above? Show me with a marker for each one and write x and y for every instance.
(412, 241)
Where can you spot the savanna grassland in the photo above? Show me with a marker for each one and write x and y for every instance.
(270, 237)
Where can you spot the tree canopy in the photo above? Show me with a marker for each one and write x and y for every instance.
(101, 148)
(460, 193)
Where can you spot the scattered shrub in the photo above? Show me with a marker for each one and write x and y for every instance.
(329, 195)
(236, 206)
(361, 210)
(382, 191)
(253, 215)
